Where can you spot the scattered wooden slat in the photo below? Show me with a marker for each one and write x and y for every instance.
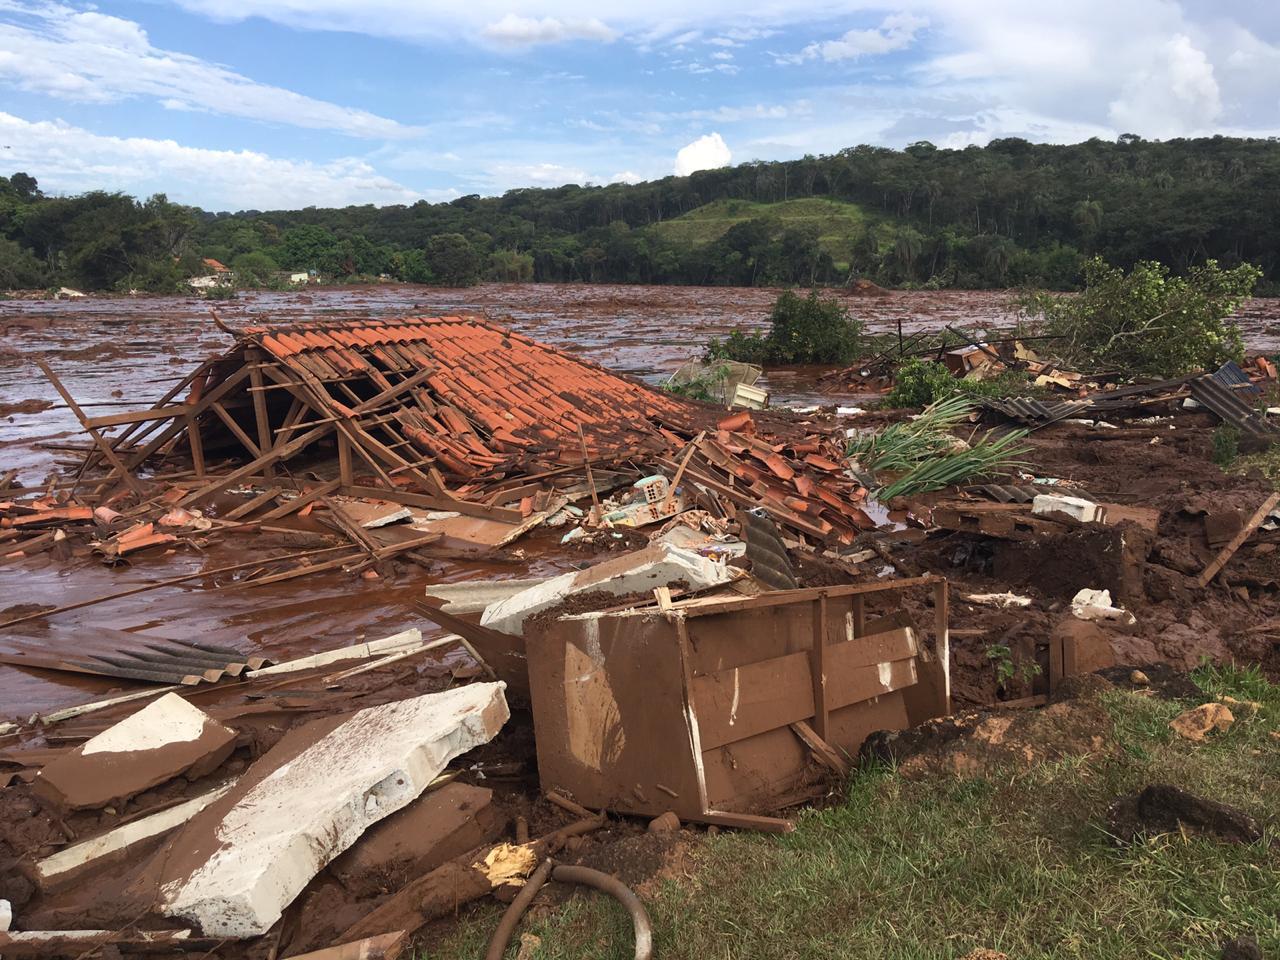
(1237, 541)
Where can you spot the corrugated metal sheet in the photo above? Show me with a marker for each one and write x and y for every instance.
(1033, 412)
(1209, 392)
(1230, 375)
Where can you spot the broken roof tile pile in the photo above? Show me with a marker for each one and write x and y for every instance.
(458, 414)
(492, 396)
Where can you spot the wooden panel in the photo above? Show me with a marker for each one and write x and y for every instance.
(745, 701)
(610, 715)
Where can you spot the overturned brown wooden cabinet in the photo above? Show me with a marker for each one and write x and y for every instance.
(702, 709)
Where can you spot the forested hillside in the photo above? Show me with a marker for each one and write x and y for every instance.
(1010, 213)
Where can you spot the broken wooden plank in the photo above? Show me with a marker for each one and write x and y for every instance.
(1237, 541)
(107, 451)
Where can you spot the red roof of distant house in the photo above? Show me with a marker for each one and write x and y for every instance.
(215, 265)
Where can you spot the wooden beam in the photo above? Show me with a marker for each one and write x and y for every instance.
(428, 502)
(107, 451)
(271, 456)
(139, 416)
(818, 666)
(300, 501)
(236, 429)
(260, 415)
(698, 607)
(249, 506)
(822, 751)
(1237, 541)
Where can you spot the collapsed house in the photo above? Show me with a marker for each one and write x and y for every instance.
(694, 677)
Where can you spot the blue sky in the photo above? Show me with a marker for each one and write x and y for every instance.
(283, 103)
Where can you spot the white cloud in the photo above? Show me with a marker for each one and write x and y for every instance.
(535, 175)
(896, 32)
(706, 153)
(91, 57)
(516, 31)
(722, 55)
(1176, 93)
(69, 159)
(626, 176)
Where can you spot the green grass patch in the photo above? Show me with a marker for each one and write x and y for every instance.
(839, 224)
(1018, 861)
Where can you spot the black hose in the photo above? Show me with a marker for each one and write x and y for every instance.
(620, 892)
(507, 925)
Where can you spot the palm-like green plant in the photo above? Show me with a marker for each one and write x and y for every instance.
(921, 455)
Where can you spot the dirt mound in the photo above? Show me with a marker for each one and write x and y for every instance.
(976, 743)
(1162, 808)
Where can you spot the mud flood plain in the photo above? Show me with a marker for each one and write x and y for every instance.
(115, 354)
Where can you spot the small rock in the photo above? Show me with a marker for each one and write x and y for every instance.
(6, 915)
(713, 830)
(529, 945)
(1244, 708)
(667, 823)
(1139, 679)
(369, 575)
(1196, 723)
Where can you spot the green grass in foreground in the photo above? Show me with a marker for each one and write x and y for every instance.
(1017, 862)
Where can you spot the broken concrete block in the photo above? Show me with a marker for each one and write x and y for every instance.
(440, 826)
(1096, 605)
(164, 739)
(236, 866)
(70, 862)
(657, 565)
(1047, 504)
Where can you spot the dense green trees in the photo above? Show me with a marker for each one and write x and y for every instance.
(1009, 214)
(809, 329)
(1146, 321)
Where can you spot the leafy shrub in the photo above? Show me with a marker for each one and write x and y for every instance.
(708, 386)
(1146, 321)
(1226, 444)
(801, 330)
(919, 383)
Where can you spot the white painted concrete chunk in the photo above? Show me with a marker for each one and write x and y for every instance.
(168, 720)
(165, 739)
(247, 856)
(657, 565)
(1050, 503)
(6, 915)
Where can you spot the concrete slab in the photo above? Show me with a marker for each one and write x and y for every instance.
(1048, 504)
(437, 827)
(236, 866)
(71, 862)
(657, 565)
(163, 740)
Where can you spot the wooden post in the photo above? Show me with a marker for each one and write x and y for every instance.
(254, 358)
(196, 442)
(942, 635)
(859, 617)
(107, 451)
(818, 666)
(344, 461)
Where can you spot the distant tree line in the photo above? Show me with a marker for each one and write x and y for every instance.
(1009, 214)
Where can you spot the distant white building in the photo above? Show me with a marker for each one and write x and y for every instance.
(297, 278)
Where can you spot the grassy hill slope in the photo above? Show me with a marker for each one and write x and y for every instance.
(839, 224)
